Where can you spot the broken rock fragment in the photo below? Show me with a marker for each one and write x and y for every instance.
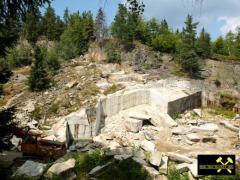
(133, 125)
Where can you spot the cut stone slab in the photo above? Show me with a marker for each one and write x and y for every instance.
(163, 169)
(183, 167)
(122, 157)
(193, 137)
(179, 157)
(99, 169)
(61, 167)
(139, 116)
(133, 125)
(31, 169)
(180, 130)
(140, 161)
(153, 173)
(155, 158)
(228, 125)
(208, 128)
(148, 146)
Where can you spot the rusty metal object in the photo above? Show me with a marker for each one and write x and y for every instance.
(33, 145)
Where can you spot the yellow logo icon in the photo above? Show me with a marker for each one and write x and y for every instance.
(224, 165)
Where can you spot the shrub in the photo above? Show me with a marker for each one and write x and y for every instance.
(113, 56)
(165, 43)
(20, 55)
(112, 89)
(5, 72)
(36, 114)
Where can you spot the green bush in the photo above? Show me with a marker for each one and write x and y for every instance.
(221, 57)
(5, 72)
(165, 43)
(113, 56)
(86, 162)
(20, 55)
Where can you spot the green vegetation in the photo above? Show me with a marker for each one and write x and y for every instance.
(221, 111)
(20, 55)
(188, 58)
(39, 78)
(113, 56)
(36, 114)
(112, 89)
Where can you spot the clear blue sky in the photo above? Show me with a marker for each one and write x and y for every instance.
(217, 16)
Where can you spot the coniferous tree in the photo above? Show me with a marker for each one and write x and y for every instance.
(120, 27)
(219, 46)
(203, 45)
(101, 26)
(39, 78)
(49, 24)
(32, 27)
(66, 17)
(75, 39)
(88, 26)
(189, 59)
(237, 44)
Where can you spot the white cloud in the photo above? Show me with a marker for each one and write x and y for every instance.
(231, 24)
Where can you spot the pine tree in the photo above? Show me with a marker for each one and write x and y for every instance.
(32, 27)
(203, 44)
(49, 24)
(189, 59)
(164, 27)
(88, 25)
(120, 28)
(75, 39)
(219, 46)
(101, 26)
(39, 78)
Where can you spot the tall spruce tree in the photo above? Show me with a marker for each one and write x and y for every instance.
(203, 44)
(101, 26)
(189, 59)
(32, 26)
(49, 24)
(88, 26)
(39, 77)
(66, 17)
(120, 27)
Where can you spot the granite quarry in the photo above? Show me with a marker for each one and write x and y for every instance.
(151, 122)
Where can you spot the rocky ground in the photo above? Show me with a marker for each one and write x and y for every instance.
(130, 134)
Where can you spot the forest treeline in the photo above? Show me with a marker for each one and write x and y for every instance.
(70, 36)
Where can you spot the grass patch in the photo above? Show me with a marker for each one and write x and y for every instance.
(87, 161)
(112, 89)
(127, 169)
(220, 57)
(174, 174)
(36, 114)
(90, 89)
(54, 108)
(222, 111)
